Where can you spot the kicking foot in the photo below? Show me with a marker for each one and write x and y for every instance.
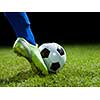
(31, 53)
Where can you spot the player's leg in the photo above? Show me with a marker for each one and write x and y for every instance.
(21, 25)
(25, 44)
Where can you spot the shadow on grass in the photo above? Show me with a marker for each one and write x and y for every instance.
(20, 77)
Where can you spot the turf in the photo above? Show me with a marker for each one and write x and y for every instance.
(82, 69)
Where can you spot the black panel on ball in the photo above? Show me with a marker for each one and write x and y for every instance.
(45, 53)
(55, 66)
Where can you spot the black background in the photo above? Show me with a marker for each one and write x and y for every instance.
(61, 27)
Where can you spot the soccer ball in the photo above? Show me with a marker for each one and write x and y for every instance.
(54, 56)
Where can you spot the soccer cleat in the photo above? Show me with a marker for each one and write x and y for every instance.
(31, 53)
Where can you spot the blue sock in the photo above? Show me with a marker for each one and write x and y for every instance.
(21, 25)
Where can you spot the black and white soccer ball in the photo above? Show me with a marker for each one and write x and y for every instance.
(54, 56)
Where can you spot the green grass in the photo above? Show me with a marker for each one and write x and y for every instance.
(82, 69)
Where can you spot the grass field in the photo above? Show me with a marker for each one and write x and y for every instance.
(82, 69)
